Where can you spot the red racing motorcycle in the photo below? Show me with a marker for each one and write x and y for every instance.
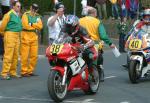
(69, 70)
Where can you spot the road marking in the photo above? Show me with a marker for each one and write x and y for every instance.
(46, 100)
(88, 101)
(125, 102)
(41, 56)
(110, 77)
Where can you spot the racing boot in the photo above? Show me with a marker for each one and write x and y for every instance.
(145, 71)
(101, 73)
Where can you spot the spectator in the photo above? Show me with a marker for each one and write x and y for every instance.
(91, 3)
(5, 7)
(102, 11)
(123, 8)
(56, 22)
(122, 30)
(84, 7)
(134, 6)
(86, 4)
(11, 27)
(114, 9)
(31, 22)
(11, 2)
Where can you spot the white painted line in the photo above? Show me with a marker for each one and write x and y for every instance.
(45, 100)
(41, 56)
(110, 77)
(24, 98)
(125, 102)
(88, 101)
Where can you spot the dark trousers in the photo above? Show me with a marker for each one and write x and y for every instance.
(1, 46)
(100, 58)
(121, 42)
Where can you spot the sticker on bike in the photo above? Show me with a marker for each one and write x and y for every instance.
(56, 48)
(135, 44)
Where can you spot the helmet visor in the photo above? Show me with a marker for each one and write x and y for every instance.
(146, 18)
(70, 29)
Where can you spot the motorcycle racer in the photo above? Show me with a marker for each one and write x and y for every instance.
(79, 35)
(142, 26)
(145, 26)
(70, 58)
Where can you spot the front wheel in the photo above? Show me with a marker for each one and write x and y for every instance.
(134, 72)
(94, 80)
(56, 90)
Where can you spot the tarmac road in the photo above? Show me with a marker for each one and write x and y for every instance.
(115, 89)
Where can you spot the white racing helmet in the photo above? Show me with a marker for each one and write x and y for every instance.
(146, 15)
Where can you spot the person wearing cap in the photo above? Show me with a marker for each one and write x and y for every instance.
(31, 22)
(11, 27)
(55, 23)
(97, 32)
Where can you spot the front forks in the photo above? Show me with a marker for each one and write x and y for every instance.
(64, 76)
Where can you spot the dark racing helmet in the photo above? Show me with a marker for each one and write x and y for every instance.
(71, 24)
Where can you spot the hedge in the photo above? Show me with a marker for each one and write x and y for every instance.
(48, 5)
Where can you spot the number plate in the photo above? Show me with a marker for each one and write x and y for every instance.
(135, 44)
(56, 48)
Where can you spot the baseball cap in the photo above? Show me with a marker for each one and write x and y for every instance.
(35, 6)
(59, 5)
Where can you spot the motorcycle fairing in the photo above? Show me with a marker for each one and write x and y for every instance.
(78, 82)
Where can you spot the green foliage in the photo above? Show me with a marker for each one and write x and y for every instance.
(48, 5)
(44, 5)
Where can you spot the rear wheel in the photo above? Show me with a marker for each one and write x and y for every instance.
(134, 72)
(56, 90)
(94, 81)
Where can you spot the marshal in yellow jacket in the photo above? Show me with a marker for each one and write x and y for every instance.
(29, 42)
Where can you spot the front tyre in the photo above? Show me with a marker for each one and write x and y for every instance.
(134, 72)
(57, 91)
(94, 80)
